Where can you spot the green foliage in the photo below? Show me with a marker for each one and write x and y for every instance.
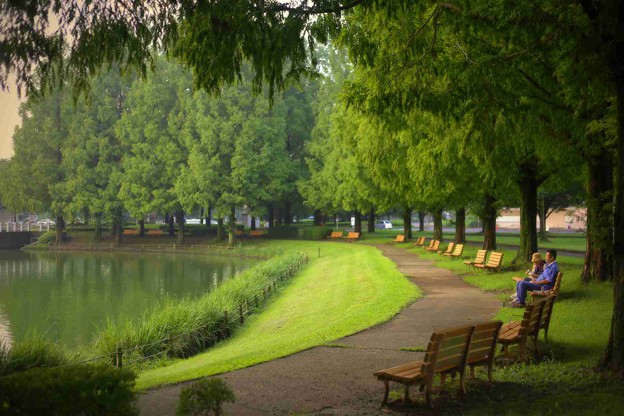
(47, 237)
(203, 396)
(316, 232)
(33, 351)
(73, 390)
(283, 231)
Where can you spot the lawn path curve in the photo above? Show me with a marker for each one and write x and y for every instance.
(331, 380)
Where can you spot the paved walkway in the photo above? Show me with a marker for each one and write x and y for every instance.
(339, 381)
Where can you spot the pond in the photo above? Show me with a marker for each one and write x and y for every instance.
(68, 297)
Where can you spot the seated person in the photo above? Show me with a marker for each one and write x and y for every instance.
(545, 281)
(534, 273)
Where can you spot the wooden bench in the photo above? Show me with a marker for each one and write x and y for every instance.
(544, 293)
(457, 251)
(480, 259)
(256, 233)
(131, 232)
(155, 232)
(518, 332)
(352, 236)
(431, 242)
(399, 239)
(446, 353)
(494, 262)
(449, 249)
(239, 233)
(434, 247)
(420, 242)
(335, 235)
(483, 346)
(549, 303)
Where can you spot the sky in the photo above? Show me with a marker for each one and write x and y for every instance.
(9, 104)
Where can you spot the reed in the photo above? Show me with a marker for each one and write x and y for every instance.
(32, 351)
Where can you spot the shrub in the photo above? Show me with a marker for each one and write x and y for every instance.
(75, 390)
(47, 237)
(204, 395)
(284, 231)
(316, 232)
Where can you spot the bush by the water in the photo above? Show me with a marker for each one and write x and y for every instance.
(316, 232)
(204, 395)
(284, 231)
(47, 237)
(33, 351)
(184, 328)
(74, 390)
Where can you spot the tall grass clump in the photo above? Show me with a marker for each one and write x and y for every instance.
(33, 351)
(187, 327)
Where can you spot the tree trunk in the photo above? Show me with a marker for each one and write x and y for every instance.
(277, 216)
(613, 358)
(460, 226)
(599, 237)
(371, 220)
(180, 220)
(220, 229)
(117, 226)
(60, 224)
(358, 221)
(288, 213)
(141, 228)
(489, 223)
(541, 211)
(232, 228)
(209, 218)
(317, 217)
(407, 223)
(98, 227)
(437, 225)
(528, 183)
(201, 216)
(421, 220)
(272, 216)
(171, 226)
(252, 226)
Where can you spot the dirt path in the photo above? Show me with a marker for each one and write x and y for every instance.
(329, 380)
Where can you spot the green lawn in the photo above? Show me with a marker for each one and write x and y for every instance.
(563, 381)
(351, 278)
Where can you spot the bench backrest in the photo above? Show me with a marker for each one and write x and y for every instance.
(549, 303)
(130, 232)
(447, 351)
(459, 249)
(555, 289)
(431, 243)
(450, 248)
(483, 343)
(480, 259)
(435, 245)
(495, 259)
(336, 234)
(256, 233)
(420, 241)
(400, 238)
(353, 235)
(155, 232)
(531, 320)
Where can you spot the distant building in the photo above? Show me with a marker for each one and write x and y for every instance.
(570, 218)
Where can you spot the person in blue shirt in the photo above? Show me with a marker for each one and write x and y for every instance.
(545, 281)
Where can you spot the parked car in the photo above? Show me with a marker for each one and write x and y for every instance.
(193, 221)
(45, 221)
(384, 224)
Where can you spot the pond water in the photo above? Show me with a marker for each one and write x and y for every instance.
(67, 297)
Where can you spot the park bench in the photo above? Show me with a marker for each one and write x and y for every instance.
(335, 235)
(155, 232)
(399, 239)
(480, 259)
(434, 247)
(352, 236)
(494, 262)
(130, 232)
(420, 242)
(543, 293)
(483, 346)
(256, 233)
(446, 353)
(449, 249)
(239, 233)
(457, 251)
(431, 243)
(518, 332)
(549, 303)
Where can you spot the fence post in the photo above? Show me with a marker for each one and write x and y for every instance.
(118, 358)
(240, 312)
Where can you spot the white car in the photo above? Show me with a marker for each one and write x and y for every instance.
(384, 224)
(193, 221)
(45, 222)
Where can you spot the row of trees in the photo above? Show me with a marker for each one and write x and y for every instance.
(158, 146)
(451, 103)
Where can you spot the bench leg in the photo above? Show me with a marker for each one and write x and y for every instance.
(406, 398)
(490, 372)
(428, 398)
(442, 379)
(387, 391)
(462, 387)
(537, 351)
(472, 376)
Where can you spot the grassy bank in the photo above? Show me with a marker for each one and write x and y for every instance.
(348, 288)
(562, 381)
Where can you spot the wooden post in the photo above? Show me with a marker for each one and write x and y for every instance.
(118, 358)
(240, 312)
